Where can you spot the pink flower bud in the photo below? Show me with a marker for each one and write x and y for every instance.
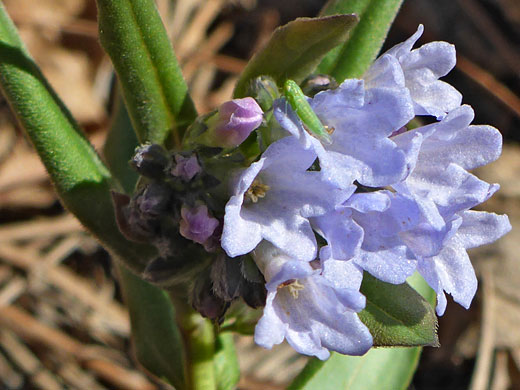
(236, 120)
(196, 223)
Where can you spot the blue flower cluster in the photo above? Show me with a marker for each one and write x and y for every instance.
(385, 199)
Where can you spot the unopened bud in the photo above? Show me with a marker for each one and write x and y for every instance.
(226, 277)
(196, 223)
(150, 160)
(235, 120)
(185, 167)
(155, 199)
(205, 301)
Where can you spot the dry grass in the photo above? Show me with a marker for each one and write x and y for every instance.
(62, 324)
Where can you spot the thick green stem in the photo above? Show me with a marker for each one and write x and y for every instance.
(200, 345)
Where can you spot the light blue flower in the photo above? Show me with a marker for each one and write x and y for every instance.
(360, 121)
(338, 227)
(428, 222)
(419, 70)
(451, 270)
(314, 313)
(273, 199)
(385, 200)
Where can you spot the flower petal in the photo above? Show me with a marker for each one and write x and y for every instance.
(452, 189)
(342, 274)
(452, 272)
(343, 235)
(270, 329)
(481, 228)
(241, 234)
(422, 68)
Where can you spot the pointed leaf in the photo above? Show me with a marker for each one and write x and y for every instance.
(78, 174)
(354, 57)
(119, 148)
(155, 93)
(296, 49)
(157, 341)
(389, 368)
(397, 315)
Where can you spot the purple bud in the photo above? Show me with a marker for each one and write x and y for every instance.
(186, 167)
(236, 120)
(196, 223)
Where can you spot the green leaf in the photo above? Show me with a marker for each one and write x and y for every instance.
(155, 93)
(354, 57)
(397, 315)
(120, 147)
(389, 368)
(227, 370)
(417, 282)
(157, 341)
(78, 174)
(296, 49)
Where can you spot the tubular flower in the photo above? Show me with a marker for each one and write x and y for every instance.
(313, 313)
(324, 189)
(442, 191)
(274, 198)
(381, 199)
(360, 121)
(419, 71)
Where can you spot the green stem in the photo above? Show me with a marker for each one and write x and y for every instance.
(200, 345)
